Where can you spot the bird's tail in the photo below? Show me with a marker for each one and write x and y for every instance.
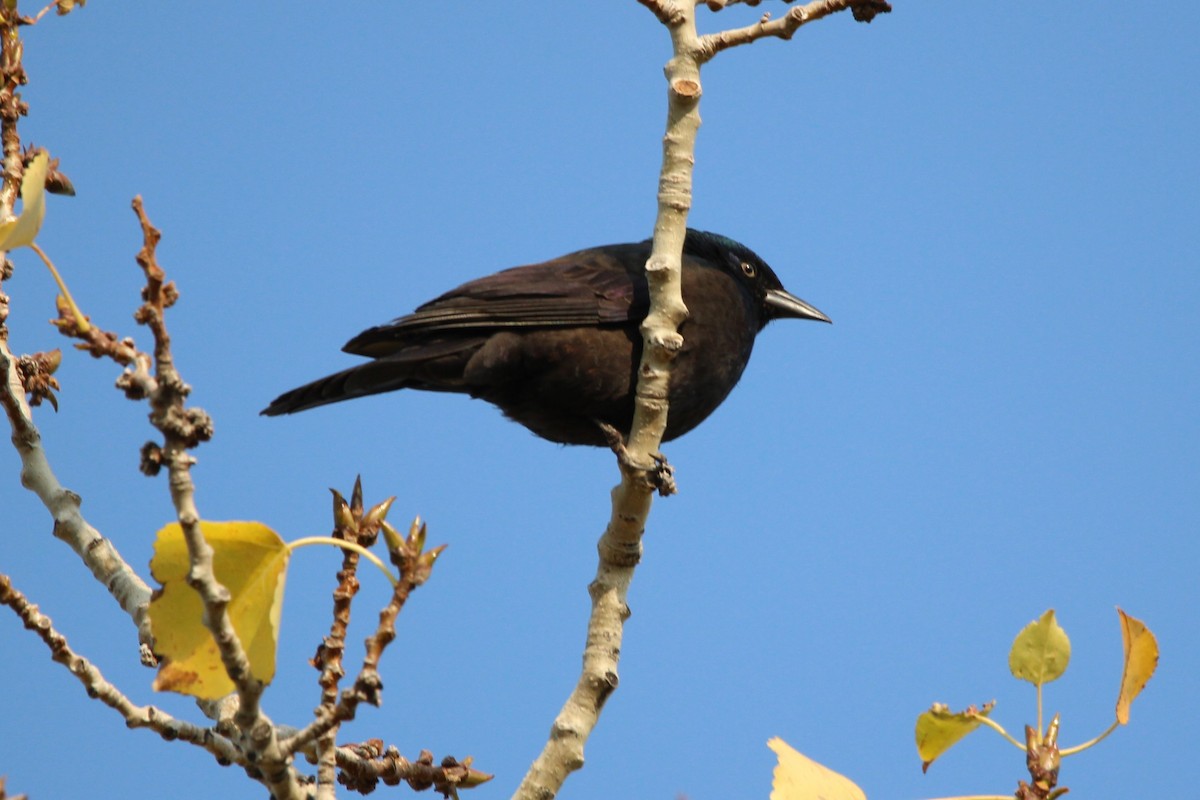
(371, 378)
(331, 389)
(435, 366)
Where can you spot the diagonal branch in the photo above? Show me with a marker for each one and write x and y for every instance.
(93, 681)
(97, 553)
(788, 24)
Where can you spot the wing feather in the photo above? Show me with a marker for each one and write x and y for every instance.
(589, 288)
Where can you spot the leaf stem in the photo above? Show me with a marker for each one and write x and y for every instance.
(362, 551)
(1039, 705)
(1000, 730)
(80, 321)
(1070, 751)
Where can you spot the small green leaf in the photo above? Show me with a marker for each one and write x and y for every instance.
(1041, 651)
(939, 729)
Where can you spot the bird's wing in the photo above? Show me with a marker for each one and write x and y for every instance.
(584, 289)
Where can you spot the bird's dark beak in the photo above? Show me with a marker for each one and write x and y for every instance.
(783, 304)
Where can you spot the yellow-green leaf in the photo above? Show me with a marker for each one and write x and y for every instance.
(1141, 659)
(21, 232)
(939, 729)
(250, 560)
(1041, 651)
(798, 777)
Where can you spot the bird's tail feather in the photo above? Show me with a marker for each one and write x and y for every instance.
(435, 366)
(360, 381)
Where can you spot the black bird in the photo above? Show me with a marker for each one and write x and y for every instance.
(556, 345)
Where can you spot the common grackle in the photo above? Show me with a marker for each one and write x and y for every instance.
(556, 345)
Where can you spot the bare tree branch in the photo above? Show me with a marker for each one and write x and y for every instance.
(184, 428)
(96, 552)
(328, 658)
(12, 107)
(414, 566)
(642, 466)
(93, 681)
(620, 547)
(365, 765)
(669, 12)
(788, 24)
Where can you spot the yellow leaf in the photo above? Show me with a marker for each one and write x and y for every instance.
(939, 729)
(250, 560)
(21, 232)
(1141, 659)
(1041, 651)
(798, 777)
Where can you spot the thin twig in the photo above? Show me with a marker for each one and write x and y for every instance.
(38, 16)
(414, 569)
(365, 765)
(184, 428)
(787, 25)
(329, 654)
(12, 107)
(93, 681)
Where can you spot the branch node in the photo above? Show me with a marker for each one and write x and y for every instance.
(686, 89)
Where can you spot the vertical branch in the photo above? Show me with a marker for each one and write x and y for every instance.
(97, 553)
(661, 339)
(182, 429)
(12, 108)
(331, 651)
(620, 546)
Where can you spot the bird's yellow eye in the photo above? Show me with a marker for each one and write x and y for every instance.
(748, 269)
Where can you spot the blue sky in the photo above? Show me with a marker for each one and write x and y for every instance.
(996, 203)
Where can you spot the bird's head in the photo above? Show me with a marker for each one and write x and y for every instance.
(774, 302)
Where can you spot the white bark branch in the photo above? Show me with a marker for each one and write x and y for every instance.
(787, 25)
(98, 554)
(620, 547)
